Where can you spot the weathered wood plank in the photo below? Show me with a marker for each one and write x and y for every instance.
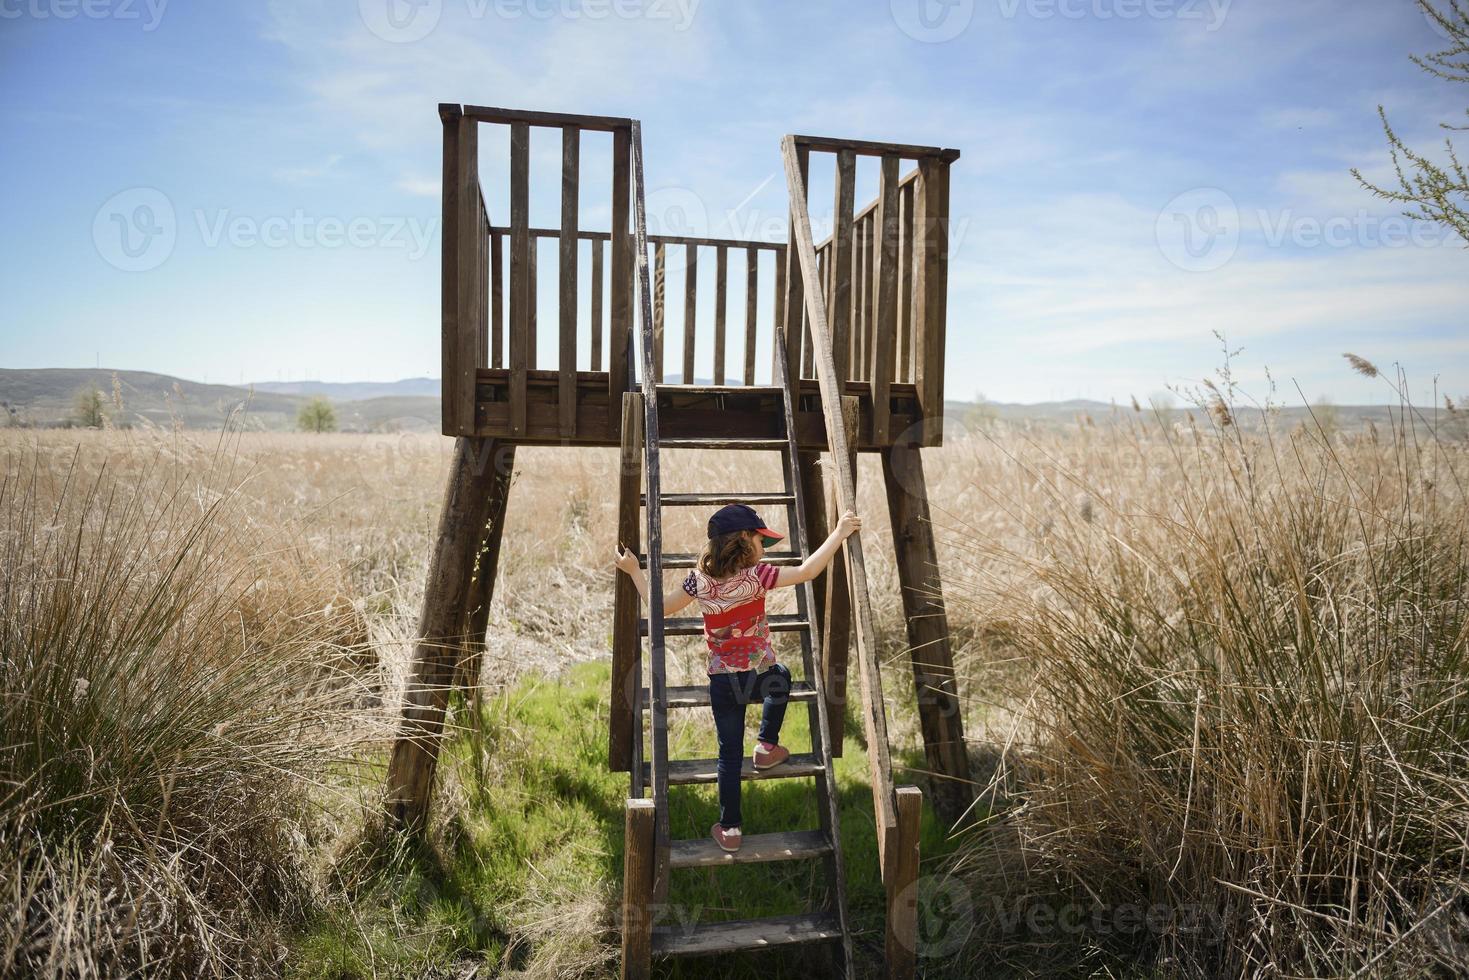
(501, 459)
(905, 285)
(747, 934)
(470, 278)
(532, 284)
(839, 266)
(690, 309)
(824, 144)
(778, 317)
(939, 711)
(791, 845)
(619, 347)
(555, 120)
(521, 272)
(440, 633)
(497, 300)
(884, 331)
(721, 298)
(752, 299)
(623, 720)
(874, 711)
(900, 880)
(790, 326)
(930, 292)
(637, 890)
(567, 269)
(697, 695)
(690, 772)
(450, 401)
(659, 307)
(596, 306)
(837, 627)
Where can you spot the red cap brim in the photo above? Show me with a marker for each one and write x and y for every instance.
(771, 537)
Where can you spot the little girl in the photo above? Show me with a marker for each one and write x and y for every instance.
(730, 583)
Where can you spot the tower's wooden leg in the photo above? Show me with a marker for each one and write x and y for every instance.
(900, 880)
(928, 633)
(836, 630)
(626, 677)
(637, 890)
(440, 632)
(482, 589)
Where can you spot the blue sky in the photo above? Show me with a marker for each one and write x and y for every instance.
(1135, 173)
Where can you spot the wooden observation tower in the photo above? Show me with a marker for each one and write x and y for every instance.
(856, 339)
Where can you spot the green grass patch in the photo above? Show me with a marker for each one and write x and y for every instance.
(524, 869)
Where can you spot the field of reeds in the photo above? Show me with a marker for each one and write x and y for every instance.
(1214, 680)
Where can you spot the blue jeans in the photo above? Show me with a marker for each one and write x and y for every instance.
(728, 696)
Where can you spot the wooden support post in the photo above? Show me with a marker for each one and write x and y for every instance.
(619, 346)
(721, 297)
(930, 292)
(596, 304)
(637, 890)
(951, 788)
(690, 309)
(836, 637)
(624, 725)
(450, 401)
(469, 282)
(522, 270)
(567, 269)
(482, 590)
(440, 633)
(900, 880)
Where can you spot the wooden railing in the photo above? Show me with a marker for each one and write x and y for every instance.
(884, 272)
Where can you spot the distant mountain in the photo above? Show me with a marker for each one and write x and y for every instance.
(351, 391)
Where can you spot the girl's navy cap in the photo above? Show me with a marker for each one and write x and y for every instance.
(740, 517)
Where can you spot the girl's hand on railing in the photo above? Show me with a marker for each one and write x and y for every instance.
(625, 561)
(849, 524)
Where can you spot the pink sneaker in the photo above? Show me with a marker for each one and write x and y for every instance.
(768, 756)
(728, 839)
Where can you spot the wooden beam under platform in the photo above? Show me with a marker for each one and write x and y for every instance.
(688, 411)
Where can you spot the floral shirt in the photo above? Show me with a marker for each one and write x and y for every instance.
(734, 617)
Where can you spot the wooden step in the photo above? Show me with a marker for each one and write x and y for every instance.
(697, 695)
(692, 772)
(694, 625)
(792, 845)
(684, 559)
(719, 499)
(746, 934)
(723, 442)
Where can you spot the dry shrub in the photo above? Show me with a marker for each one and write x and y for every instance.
(170, 685)
(1244, 749)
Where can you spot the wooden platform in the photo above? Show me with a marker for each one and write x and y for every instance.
(687, 411)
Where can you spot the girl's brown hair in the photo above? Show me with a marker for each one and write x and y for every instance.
(726, 554)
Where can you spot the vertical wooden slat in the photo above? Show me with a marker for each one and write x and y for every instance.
(623, 720)
(470, 278)
(449, 401)
(905, 284)
(659, 306)
(836, 636)
(521, 271)
(823, 273)
(637, 889)
(619, 344)
(567, 268)
(596, 304)
(778, 317)
(690, 309)
(863, 301)
(497, 299)
(839, 264)
(884, 331)
(533, 304)
(752, 299)
(482, 287)
(789, 328)
(721, 295)
(930, 292)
